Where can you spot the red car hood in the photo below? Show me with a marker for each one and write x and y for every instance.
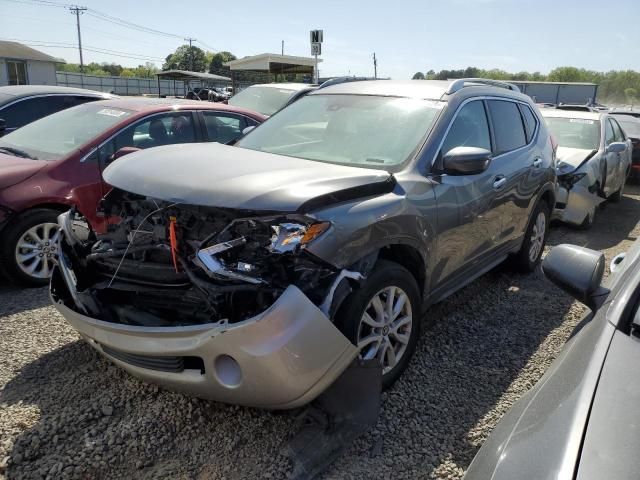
(15, 169)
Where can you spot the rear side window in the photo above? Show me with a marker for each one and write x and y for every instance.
(507, 126)
(469, 129)
(530, 121)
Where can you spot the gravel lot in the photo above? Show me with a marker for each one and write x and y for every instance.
(66, 413)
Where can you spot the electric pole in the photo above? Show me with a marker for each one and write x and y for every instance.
(375, 66)
(282, 47)
(190, 52)
(77, 11)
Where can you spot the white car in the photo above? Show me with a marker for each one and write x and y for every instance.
(593, 162)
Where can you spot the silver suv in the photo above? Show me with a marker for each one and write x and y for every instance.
(255, 274)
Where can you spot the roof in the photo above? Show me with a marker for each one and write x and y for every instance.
(187, 75)
(145, 104)
(555, 113)
(273, 63)
(9, 94)
(533, 82)
(22, 52)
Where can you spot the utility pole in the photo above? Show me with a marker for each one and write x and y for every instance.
(77, 11)
(375, 66)
(190, 40)
(282, 47)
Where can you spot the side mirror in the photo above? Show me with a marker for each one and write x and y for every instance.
(578, 271)
(3, 126)
(248, 129)
(124, 151)
(466, 160)
(616, 147)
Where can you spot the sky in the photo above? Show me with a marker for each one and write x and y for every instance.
(406, 35)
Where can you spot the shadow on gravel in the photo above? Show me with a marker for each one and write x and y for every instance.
(15, 299)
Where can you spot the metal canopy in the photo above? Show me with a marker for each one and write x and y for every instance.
(273, 63)
(187, 75)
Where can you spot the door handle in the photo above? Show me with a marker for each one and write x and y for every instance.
(537, 163)
(499, 182)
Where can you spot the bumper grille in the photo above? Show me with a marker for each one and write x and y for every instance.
(163, 364)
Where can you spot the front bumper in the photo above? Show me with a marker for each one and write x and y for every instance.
(282, 358)
(572, 206)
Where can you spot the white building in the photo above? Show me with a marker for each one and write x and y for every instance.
(22, 65)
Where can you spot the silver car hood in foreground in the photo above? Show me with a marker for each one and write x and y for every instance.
(572, 156)
(218, 175)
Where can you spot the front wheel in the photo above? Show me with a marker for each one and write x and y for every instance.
(382, 318)
(29, 247)
(535, 239)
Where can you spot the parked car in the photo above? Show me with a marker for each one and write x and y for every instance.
(631, 126)
(218, 95)
(268, 98)
(22, 104)
(577, 422)
(198, 93)
(594, 160)
(56, 162)
(630, 111)
(324, 234)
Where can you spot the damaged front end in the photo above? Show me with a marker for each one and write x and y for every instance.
(577, 192)
(234, 299)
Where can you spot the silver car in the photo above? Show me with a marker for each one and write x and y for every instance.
(594, 160)
(255, 274)
(579, 421)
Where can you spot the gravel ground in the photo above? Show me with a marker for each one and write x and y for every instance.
(67, 413)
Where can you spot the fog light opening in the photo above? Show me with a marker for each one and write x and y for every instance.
(227, 371)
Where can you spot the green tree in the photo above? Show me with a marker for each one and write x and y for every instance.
(568, 74)
(631, 94)
(216, 64)
(418, 76)
(184, 58)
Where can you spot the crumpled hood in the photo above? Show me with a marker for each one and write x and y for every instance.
(15, 169)
(573, 156)
(230, 177)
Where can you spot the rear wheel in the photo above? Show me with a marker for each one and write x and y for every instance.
(382, 318)
(535, 239)
(29, 247)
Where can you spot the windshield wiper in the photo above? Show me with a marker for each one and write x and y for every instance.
(18, 153)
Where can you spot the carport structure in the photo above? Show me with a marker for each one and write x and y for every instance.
(271, 64)
(187, 77)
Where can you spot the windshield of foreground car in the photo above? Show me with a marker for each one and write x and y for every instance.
(575, 132)
(264, 100)
(355, 130)
(55, 136)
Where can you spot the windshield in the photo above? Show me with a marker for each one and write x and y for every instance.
(355, 130)
(264, 100)
(630, 125)
(55, 136)
(575, 132)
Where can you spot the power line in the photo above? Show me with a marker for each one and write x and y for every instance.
(125, 23)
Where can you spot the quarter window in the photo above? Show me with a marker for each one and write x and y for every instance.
(530, 121)
(469, 129)
(507, 126)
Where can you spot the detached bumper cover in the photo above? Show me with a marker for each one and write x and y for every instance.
(282, 358)
(576, 204)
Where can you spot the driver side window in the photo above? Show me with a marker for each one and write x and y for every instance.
(469, 129)
(609, 136)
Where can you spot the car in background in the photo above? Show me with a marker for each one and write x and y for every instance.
(593, 162)
(630, 111)
(268, 98)
(56, 163)
(578, 421)
(23, 104)
(324, 234)
(218, 95)
(198, 93)
(631, 126)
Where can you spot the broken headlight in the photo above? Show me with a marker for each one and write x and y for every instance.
(568, 180)
(288, 236)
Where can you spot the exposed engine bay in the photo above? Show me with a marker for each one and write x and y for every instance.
(168, 264)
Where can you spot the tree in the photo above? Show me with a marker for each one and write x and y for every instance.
(184, 57)
(631, 94)
(218, 59)
(418, 76)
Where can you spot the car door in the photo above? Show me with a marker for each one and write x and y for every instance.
(468, 218)
(612, 160)
(223, 127)
(519, 167)
(625, 157)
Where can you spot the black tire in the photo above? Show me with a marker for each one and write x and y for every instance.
(10, 236)
(349, 317)
(523, 260)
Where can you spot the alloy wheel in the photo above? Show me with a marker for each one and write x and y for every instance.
(385, 327)
(37, 249)
(537, 236)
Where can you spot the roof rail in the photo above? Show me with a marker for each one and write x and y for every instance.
(460, 83)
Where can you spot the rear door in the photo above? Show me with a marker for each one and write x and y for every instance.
(517, 163)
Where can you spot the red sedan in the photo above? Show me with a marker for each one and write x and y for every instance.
(56, 162)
